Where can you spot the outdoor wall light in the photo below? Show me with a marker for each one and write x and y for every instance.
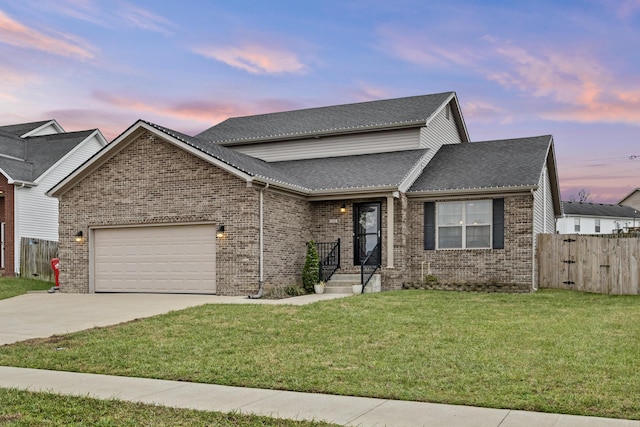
(220, 232)
(79, 236)
(343, 208)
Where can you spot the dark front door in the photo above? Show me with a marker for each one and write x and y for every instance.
(366, 232)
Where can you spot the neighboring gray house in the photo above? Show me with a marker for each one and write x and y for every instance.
(632, 199)
(396, 183)
(596, 218)
(33, 157)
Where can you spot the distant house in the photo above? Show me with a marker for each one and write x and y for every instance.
(33, 158)
(596, 218)
(632, 199)
(393, 183)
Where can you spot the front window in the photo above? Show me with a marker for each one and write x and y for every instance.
(576, 225)
(597, 225)
(464, 225)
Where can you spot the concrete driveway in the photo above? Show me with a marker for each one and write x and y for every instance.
(41, 315)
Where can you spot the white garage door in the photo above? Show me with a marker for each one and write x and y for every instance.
(163, 259)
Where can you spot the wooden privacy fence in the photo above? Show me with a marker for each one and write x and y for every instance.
(35, 258)
(599, 264)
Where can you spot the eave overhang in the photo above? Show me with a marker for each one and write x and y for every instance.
(471, 192)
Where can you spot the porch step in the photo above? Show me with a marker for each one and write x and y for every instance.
(341, 284)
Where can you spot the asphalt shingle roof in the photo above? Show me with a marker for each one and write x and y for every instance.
(487, 164)
(598, 209)
(326, 120)
(22, 128)
(361, 171)
(25, 159)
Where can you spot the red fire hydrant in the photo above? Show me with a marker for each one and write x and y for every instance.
(55, 265)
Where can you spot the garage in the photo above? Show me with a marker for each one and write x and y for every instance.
(155, 259)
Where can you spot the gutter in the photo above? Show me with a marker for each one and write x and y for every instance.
(483, 191)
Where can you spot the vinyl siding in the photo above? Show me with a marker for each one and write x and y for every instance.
(543, 215)
(47, 130)
(333, 146)
(608, 224)
(36, 214)
(440, 131)
(633, 200)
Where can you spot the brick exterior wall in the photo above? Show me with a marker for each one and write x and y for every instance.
(502, 270)
(152, 181)
(7, 216)
(329, 224)
(286, 232)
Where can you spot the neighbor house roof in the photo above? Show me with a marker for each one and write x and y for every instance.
(598, 209)
(23, 128)
(24, 159)
(486, 165)
(337, 119)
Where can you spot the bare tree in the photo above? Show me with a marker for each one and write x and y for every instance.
(583, 197)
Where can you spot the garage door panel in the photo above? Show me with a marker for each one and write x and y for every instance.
(168, 259)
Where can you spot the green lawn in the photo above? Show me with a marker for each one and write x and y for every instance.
(551, 351)
(13, 286)
(21, 408)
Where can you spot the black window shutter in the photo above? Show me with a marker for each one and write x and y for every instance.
(429, 226)
(498, 223)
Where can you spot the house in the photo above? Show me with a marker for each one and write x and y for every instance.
(596, 218)
(632, 199)
(34, 157)
(395, 184)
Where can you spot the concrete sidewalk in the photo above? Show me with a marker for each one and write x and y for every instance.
(343, 410)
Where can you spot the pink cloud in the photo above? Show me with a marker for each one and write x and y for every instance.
(16, 34)
(256, 59)
(201, 111)
(580, 87)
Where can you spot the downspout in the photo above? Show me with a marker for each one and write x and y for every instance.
(261, 246)
(534, 284)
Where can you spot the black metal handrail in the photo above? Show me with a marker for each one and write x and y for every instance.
(329, 256)
(372, 264)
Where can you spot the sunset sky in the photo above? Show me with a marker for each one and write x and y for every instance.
(520, 68)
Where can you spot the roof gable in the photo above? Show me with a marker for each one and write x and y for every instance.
(21, 129)
(634, 194)
(485, 165)
(45, 151)
(25, 158)
(332, 120)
